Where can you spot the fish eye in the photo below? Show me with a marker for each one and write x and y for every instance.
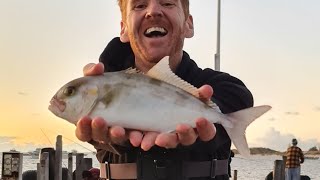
(69, 91)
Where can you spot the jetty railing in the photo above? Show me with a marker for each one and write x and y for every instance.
(49, 166)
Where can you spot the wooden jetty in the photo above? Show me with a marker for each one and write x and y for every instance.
(49, 166)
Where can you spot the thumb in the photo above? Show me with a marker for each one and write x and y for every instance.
(205, 92)
(92, 69)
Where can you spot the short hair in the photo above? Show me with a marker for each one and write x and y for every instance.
(123, 4)
(294, 141)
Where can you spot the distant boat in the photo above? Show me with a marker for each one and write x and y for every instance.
(13, 151)
(34, 154)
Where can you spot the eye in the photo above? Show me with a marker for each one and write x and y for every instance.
(140, 6)
(167, 4)
(69, 91)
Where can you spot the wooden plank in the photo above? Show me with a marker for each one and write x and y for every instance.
(87, 163)
(235, 175)
(58, 159)
(79, 167)
(43, 167)
(70, 164)
(278, 173)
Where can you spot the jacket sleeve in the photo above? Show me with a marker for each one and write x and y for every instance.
(231, 95)
(301, 157)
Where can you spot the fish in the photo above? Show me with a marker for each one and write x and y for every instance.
(157, 100)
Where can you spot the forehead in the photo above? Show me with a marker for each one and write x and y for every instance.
(137, 1)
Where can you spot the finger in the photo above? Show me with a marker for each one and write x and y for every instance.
(93, 69)
(167, 140)
(186, 134)
(206, 130)
(83, 129)
(148, 140)
(99, 130)
(135, 138)
(118, 134)
(205, 92)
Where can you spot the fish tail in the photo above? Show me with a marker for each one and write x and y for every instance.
(241, 120)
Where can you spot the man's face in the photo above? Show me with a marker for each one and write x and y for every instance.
(156, 28)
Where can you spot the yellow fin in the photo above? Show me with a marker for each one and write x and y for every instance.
(131, 70)
(213, 105)
(162, 72)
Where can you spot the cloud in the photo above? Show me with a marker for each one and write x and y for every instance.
(6, 139)
(8, 143)
(293, 113)
(35, 114)
(317, 108)
(22, 93)
(272, 119)
(274, 139)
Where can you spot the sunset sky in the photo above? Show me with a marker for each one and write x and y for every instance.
(272, 46)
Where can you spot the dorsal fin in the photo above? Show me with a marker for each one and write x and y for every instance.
(131, 70)
(162, 72)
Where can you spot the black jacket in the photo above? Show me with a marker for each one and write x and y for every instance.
(230, 94)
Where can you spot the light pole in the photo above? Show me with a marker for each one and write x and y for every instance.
(217, 55)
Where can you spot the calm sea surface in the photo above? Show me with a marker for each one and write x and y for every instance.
(255, 168)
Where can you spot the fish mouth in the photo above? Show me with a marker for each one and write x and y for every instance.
(57, 105)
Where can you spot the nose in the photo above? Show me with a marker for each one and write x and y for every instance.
(154, 9)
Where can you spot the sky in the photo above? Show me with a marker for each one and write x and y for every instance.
(272, 46)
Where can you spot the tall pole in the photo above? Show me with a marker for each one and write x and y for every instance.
(217, 55)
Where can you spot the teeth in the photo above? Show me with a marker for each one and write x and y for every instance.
(158, 29)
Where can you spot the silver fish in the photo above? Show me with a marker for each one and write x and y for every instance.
(156, 101)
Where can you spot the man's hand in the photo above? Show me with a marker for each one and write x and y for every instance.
(97, 129)
(185, 134)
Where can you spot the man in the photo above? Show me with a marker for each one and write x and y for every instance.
(151, 30)
(294, 157)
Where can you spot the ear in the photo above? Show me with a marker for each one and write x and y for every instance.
(124, 33)
(189, 29)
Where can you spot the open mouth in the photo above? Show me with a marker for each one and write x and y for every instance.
(155, 32)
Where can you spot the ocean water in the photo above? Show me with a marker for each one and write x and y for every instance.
(255, 168)
(258, 167)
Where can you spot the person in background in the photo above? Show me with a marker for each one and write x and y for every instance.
(151, 30)
(294, 157)
(95, 173)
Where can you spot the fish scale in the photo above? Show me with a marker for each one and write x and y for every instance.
(156, 101)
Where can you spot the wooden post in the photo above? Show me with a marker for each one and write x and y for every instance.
(79, 167)
(12, 165)
(58, 160)
(284, 158)
(70, 168)
(235, 175)
(278, 173)
(43, 167)
(87, 163)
